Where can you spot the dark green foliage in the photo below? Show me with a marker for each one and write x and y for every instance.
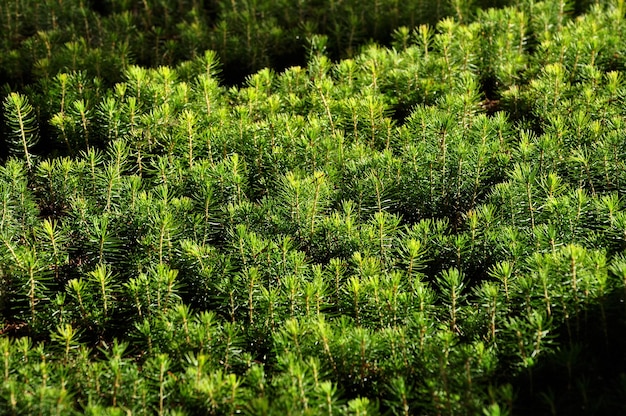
(43, 38)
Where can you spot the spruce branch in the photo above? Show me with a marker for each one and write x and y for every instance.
(23, 128)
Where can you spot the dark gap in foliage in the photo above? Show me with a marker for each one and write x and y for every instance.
(490, 90)
(400, 112)
(587, 374)
(101, 7)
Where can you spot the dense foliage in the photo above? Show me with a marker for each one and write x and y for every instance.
(102, 37)
(436, 226)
